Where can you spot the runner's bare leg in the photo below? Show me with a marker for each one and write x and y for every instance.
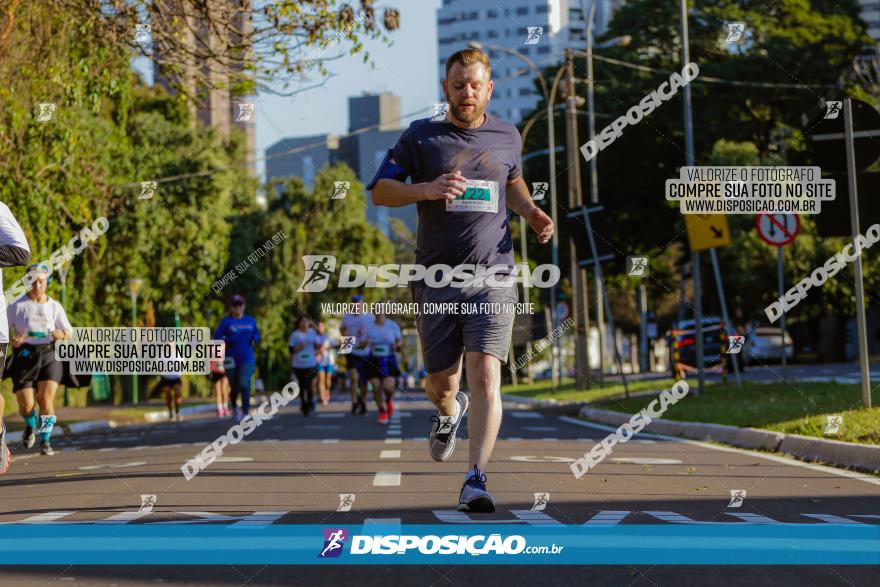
(441, 388)
(484, 419)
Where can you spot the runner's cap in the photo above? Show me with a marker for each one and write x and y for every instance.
(236, 299)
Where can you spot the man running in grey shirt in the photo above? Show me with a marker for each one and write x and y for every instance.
(465, 171)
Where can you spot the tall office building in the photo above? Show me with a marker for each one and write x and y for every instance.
(460, 22)
(301, 157)
(215, 107)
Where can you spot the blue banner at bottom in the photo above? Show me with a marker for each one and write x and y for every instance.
(489, 544)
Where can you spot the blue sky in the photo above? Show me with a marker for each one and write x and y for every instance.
(407, 68)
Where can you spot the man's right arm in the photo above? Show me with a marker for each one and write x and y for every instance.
(393, 193)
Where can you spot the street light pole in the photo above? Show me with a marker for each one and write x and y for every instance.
(689, 154)
(134, 287)
(594, 186)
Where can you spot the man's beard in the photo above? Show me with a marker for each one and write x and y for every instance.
(466, 115)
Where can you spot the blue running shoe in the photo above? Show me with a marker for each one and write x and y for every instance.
(474, 497)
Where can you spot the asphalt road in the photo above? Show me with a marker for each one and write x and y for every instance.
(292, 470)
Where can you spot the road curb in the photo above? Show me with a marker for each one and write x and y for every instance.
(162, 415)
(833, 452)
(98, 425)
(857, 456)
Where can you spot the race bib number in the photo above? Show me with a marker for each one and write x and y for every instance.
(37, 334)
(305, 355)
(229, 363)
(478, 196)
(381, 350)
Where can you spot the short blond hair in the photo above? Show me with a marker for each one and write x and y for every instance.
(467, 57)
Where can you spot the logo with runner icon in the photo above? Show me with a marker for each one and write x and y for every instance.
(735, 344)
(245, 112)
(340, 189)
(737, 497)
(541, 501)
(832, 109)
(147, 503)
(534, 34)
(637, 266)
(438, 113)
(346, 345)
(334, 542)
(319, 268)
(735, 32)
(346, 500)
(45, 111)
(539, 190)
(833, 425)
(148, 188)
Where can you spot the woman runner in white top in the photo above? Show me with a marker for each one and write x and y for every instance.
(303, 357)
(383, 340)
(38, 321)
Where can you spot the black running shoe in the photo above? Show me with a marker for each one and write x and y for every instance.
(46, 449)
(28, 438)
(362, 407)
(354, 408)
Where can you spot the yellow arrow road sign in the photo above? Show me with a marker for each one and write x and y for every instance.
(707, 231)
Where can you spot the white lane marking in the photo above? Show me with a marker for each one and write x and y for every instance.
(832, 519)
(646, 461)
(512, 438)
(16, 457)
(535, 517)
(108, 449)
(254, 519)
(778, 459)
(233, 459)
(526, 415)
(607, 518)
(532, 517)
(112, 466)
(541, 428)
(747, 518)
(548, 439)
(389, 454)
(123, 518)
(392, 441)
(381, 521)
(331, 415)
(544, 459)
(393, 432)
(47, 518)
(142, 447)
(386, 479)
(330, 441)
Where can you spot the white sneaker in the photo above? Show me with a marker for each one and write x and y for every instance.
(443, 428)
(474, 497)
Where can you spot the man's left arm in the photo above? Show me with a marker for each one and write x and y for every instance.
(520, 201)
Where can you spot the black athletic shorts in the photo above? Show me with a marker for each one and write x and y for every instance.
(215, 377)
(167, 381)
(33, 363)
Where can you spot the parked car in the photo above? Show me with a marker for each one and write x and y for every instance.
(713, 341)
(765, 344)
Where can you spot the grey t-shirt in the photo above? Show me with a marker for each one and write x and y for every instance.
(491, 152)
